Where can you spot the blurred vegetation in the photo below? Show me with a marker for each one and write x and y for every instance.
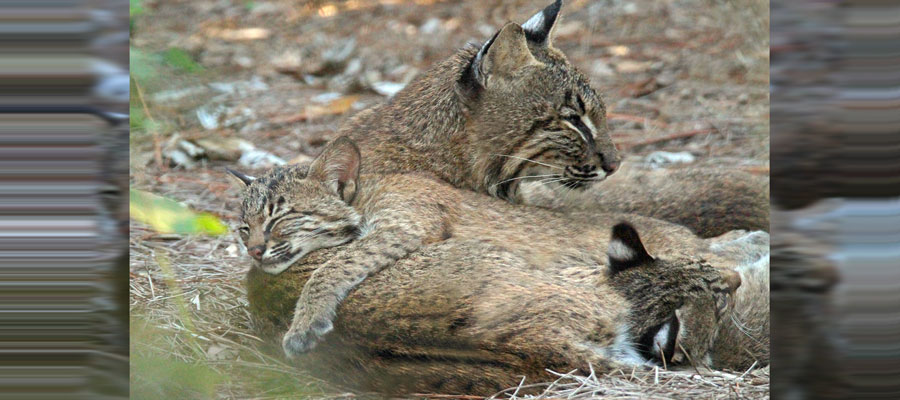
(168, 216)
(150, 69)
(156, 376)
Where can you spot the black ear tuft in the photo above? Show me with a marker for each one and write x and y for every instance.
(475, 76)
(625, 248)
(538, 27)
(244, 180)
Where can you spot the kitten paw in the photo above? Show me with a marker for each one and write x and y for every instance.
(304, 336)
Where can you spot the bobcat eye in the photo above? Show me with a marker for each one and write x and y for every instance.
(244, 232)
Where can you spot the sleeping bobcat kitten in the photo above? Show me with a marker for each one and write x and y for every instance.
(514, 114)
(383, 218)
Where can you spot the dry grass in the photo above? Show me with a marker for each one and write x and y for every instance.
(190, 316)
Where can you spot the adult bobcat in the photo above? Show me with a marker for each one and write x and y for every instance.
(469, 317)
(383, 218)
(514, 111)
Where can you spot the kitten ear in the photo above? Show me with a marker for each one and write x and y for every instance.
(240, 180)
(625, 249)
(338, 167)
(504, 53)
(538, 28)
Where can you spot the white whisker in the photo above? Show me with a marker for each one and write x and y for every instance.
(523, 177)
(525, 159)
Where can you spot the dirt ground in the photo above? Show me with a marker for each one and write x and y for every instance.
(251, 84)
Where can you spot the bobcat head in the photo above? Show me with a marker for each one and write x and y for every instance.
(677, 302)
(293, 210)
(531, 114)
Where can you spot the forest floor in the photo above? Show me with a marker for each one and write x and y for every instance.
(251, 84)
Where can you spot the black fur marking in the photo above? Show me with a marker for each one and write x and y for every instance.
(244, 178)
(473, 79)
(585, 132)
(628, 236)
(351, 231)
(459, 322)
(541, 34)
(644, 345)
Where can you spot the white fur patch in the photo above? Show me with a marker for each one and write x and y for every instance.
(623, 348)
(661, 338)
(590, 124)
(580, 133)
(619, 251)
(366, 229)
(535, 23)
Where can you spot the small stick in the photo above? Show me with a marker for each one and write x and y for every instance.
(691, 359)
(157, 147)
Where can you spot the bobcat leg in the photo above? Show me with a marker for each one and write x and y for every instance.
(395, 235)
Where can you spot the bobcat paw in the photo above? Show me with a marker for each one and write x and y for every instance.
(303, 336)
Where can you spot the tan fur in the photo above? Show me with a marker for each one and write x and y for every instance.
(475, 127)
(711, 202)
(526, 116)
(742, 339)
(404, 212)
(471, 318)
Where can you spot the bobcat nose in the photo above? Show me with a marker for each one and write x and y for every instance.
(609, 167)
(256, 252)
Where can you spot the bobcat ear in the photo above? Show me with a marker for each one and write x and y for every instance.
(338, 167)
(538, 28)
(240, 180)
(625, 249)
(504, 53)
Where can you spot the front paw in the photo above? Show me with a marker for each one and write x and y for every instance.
(303, 336)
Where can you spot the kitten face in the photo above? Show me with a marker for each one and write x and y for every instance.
(285, 215)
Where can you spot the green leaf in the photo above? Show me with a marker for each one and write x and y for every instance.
(135, 8)
(168, 216)
(180, 59)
